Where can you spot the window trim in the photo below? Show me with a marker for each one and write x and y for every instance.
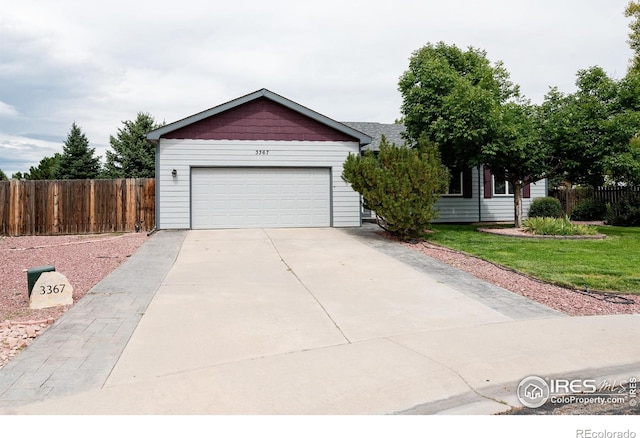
(508, 188)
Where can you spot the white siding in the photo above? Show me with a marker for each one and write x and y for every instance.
(500, 208)
(494, 209)
(458, 208)
(174, 193)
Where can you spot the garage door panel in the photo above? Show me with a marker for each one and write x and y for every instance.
(270, 204)
(260, 197)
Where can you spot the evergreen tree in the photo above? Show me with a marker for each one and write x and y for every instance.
(48, 168)
(132, 156)
(3, 176)
(77, 160)
(401, 185)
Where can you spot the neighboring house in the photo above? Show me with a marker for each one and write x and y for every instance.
(257, 161)
(475, 195)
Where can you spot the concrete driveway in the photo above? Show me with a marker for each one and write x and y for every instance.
(327, 321)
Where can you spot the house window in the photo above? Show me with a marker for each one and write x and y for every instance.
(455, 184)
(501, 187)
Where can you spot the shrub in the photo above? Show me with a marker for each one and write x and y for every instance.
(400, 184)
(546, 207)
(589, 210)
(626, 212)
(551, 226)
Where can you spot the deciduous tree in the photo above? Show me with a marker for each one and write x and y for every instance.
(469, 106)
(517, 154)
(590, 130)
(454, 97)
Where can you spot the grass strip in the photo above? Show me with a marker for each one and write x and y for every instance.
(611, 264)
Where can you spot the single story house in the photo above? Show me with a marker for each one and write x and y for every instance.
(262, 160)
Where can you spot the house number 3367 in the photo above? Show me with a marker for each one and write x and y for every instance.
(262, 152)
(49, 289)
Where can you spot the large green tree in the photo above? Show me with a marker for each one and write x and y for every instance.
(590, 130)
(470, 107)
(3, 176)
(78, 160)
(454, 97)
(625, 167)
(400, 184)
(517, 153)
(133, 156)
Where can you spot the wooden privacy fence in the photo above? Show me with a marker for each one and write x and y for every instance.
(570, 197)
(76, 206)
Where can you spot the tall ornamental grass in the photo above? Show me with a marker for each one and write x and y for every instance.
(551, 226)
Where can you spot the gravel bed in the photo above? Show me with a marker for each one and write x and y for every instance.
(83, 259)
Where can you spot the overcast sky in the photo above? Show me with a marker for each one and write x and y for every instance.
(100, 63)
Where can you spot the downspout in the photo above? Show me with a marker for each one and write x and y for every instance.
(479, 197)
(157, 227)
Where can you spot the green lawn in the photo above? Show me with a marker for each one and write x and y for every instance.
(611, 264)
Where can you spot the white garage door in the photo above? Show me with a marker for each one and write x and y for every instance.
(244, 197)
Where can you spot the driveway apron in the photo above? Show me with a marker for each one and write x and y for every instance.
(242, 294)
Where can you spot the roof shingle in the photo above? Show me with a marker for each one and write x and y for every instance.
(392, 131)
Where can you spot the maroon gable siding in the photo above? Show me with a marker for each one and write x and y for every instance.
(260, 119)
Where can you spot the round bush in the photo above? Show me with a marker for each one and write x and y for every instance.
(545, 207)
(589, 210)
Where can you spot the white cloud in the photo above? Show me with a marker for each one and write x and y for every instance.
(7, 110)
(18, 154)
